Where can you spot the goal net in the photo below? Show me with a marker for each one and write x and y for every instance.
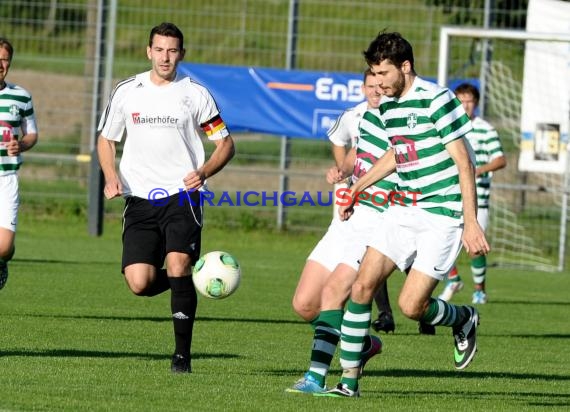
(529, 206)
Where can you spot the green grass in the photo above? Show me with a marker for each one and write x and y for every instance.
(74, 338)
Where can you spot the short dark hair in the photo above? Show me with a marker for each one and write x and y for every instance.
(389, 46)
(6, 45)
(168, 30)
(367, 72)
(468, 88)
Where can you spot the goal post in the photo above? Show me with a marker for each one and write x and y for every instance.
(446, 32)
(529, 209)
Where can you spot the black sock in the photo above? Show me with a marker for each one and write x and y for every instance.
(382, 300)
(160, 284)
(183, 305)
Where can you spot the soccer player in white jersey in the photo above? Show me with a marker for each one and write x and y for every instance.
(343, 135)
(337, 256)
(163, 168)
(426, 126)
(19, 134)
(489, 157)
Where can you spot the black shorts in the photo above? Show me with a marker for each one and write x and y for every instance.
(151, 230)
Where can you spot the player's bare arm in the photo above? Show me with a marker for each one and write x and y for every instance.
(495, 164)
(337, 174)
(382, 168)
(14, 147)
(222, 154)
(473, 237)
(106, 152)
(339, 154)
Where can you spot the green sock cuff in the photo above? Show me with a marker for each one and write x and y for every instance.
(314, 322)
(479, 261)
(330, 318)
(352, 383)
(431, 312)
(358, 307)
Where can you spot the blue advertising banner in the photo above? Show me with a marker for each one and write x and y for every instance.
(294, 103)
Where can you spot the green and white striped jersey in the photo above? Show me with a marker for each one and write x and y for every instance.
(371, 145)
(419, 125)
(16, 119)
(485, 142)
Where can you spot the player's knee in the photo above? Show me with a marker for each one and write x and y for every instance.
(362, 292)
(305, 309)
(410, 309)
(137, 286)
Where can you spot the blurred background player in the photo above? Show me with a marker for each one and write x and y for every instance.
(19, 133)
(489, 157)
(344, 135)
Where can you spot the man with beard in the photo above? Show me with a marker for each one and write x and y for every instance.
(427, 127)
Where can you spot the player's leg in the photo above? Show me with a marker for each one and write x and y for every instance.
(322, 261)
(181, 224)
(453, 285)
(385, 320)
(9, 203)
(327, 330)
(374, 270)
(346, 247)
(142, 247)
(438, 243)
(6, 252)
(479, 264)
(307, 298)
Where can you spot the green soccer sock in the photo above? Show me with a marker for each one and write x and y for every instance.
(442, 313)
(354, 329)
(325, 341)
(479, 271)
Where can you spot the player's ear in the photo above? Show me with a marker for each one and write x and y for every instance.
(406, 67)
(148, 50)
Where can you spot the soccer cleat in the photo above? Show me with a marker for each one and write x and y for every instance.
(451, 288)
(3, 273)
(374, 349)
(180, 364)
(340, 391)
(384, 322)
(426, 328)
(479, 297)
(466, 339)
(307, 384)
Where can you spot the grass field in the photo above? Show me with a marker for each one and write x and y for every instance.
(73, 337)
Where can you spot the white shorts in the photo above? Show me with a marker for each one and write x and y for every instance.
(9, 201)
(483, 217)
(411, 236)
(345, 241)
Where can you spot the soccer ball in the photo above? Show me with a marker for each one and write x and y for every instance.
(216, 275)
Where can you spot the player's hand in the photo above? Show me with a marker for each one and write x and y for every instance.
(334, 175)
(346, 209)
(345, 212)
(474, 240)
(13, 147)
(113, 188)
(194, 180)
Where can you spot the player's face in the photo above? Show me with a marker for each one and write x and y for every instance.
(5, 59)
(164, 54)
(391, 79)
(469, 103)
(372, 92)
